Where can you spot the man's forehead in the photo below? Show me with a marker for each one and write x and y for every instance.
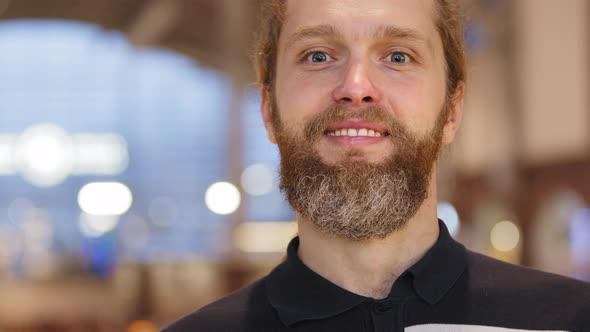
(361, 18)
(350, 9)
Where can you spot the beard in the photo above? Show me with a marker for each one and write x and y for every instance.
(356, 199)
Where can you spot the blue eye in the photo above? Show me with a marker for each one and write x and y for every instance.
(317, 57)
(399, 57)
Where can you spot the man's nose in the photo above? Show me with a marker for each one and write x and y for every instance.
(356, 87)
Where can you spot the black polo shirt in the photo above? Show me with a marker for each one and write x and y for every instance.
(450, 289)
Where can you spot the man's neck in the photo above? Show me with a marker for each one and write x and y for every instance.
(369, 268)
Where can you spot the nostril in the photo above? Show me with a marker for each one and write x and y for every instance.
(368, 99)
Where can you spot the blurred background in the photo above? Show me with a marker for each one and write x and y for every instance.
(137, 184)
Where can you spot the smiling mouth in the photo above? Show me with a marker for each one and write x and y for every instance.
(353, 132)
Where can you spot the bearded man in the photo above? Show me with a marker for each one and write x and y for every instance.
(360, 96)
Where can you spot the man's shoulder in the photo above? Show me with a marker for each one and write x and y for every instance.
(511, 289)
(234, 312)
(490, 273)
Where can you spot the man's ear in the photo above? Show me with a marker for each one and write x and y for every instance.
(455, 115)
(266, 112)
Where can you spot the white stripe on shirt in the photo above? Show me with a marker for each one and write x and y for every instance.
(466, 328)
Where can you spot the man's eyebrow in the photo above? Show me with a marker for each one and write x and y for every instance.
(309, 32)
(381, 32)
(395, 32)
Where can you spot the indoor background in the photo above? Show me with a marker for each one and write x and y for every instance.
(137, 184)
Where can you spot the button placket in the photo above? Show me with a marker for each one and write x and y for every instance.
(380, 308)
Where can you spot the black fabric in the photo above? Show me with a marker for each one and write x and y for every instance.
(449, 285)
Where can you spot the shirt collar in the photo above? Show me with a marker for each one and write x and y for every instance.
(298, 293)
(438, 270)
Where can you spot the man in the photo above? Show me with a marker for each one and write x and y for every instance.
(359, 96)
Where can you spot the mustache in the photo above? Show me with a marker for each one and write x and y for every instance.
(317, 125)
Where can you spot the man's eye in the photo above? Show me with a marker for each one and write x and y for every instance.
(317, 57)
(399, 57)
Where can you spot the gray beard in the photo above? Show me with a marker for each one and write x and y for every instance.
(356, 204)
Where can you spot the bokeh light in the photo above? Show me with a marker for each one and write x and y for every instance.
(142, 326)
(95, 225)
(258, 179)
(44, 155)
(580, 239)
(223, 198)
(447, 213)
(105, 198)
(264, 236)
(505, 236)
(100, 154)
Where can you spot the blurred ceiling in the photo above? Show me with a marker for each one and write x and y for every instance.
(214, 32)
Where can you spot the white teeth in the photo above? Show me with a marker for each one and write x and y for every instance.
(351, 132)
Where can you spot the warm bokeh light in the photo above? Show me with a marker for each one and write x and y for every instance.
(258, 179)
(264, 236)
(142, 326)
(448, 214)
(223, 198)
(105, 198)
(505, 236)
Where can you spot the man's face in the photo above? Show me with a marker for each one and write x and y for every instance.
(360, 89)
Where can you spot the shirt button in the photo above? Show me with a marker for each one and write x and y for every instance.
(380, 308)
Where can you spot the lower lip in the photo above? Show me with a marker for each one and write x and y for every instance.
(356, 141)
